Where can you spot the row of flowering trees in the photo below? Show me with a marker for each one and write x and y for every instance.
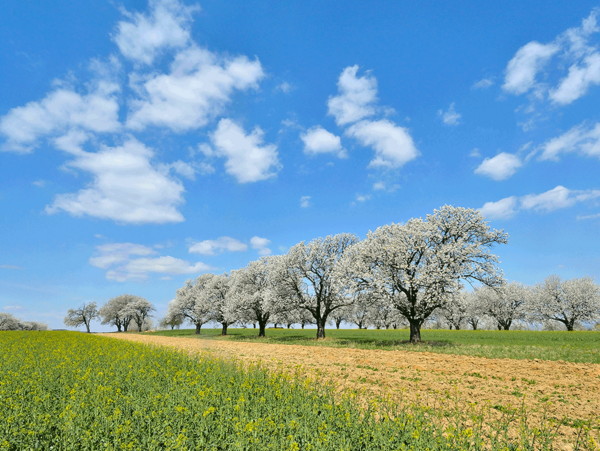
(409, 271)
(568, 303)
(120, 311)
(10, 322)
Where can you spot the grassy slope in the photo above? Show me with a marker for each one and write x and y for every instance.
(567, 346)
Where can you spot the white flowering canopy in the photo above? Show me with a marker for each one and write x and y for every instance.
(568, 302)
(305, 278)
(505, 304)
(416, 266)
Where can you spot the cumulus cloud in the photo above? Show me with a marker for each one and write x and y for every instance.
(144, 35)
(502, 209)
(317, 140)
(521, 71)
(500, 167)
(305, 201)
(222, 244)
(60, 111)
(393, 144)
(196, 90)
(581, 138)
(450, 116)
(576, 52)
(248, 158)
(356, 98)
(260, 244)
(126, 187)
(554, 199)
(557, 198)
(132, 262)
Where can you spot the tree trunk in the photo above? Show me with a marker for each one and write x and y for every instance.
(302, 325)
(224, 329)
(570, 325)
(254, 325)
(415, 332)
(198, 327)
(320, 329)
(118, 327)
(262, 326)
(87, 326)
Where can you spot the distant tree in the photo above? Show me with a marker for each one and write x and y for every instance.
(252, 298)
(8, 322)
(505, 304)
(456, 312)
(416, 266)
(192, 303)
(139, 310)
(82, 315)
(306, 279)
(216, 292)
(568, 302)
(172, 319)
(114, 312)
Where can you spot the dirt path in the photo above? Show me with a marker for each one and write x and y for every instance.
(564, 389)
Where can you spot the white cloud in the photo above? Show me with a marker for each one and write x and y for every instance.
(522, 69)
(500, 167)
(181, 168)
(126, 187)
(597, 215)
(578, 81)
(356, 97)
(502, 209)
(317, 140)
(222, 244)
(10, 267)
(393, 144)
(248, 159)
(575, 51)
(378, 186)
(39, 183)
(483, 83)
(362, 197)
(60, 111)
(557, 198)
(143, 36)
(115, 253)
(450, 116)
(305, 201)
(475, 153)
(554, 199)
(260, 244)
(198, 87)
(581, 138)
(118, 257)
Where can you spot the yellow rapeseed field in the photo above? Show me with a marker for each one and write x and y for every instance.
(73, 391)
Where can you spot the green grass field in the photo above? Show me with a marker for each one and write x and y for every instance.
(578, 346)
(74, 391)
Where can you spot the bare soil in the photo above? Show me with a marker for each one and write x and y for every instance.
(551, 389)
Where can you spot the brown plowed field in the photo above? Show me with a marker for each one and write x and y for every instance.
(561, 389)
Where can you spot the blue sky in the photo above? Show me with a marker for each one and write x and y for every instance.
(144, 143)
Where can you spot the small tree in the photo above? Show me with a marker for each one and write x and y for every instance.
(568, 302)
(216, 291)
(114, 312)
(505, 304)
(192, 303)
(306, 279)
(456, 312)
(172, 319)
(251, 296)
(83, 315)
(139, 310)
